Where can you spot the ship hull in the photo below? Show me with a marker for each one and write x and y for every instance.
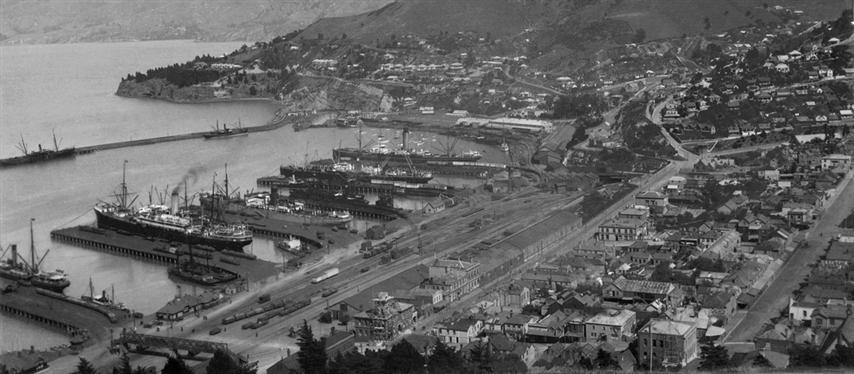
(57, 286)
(342, 178)
(108, 221)
(355, 154)
(225, 135)
(251, 212)
(39, 157)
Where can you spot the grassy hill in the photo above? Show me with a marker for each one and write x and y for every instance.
(60, 21)
(567, 23)
(500, 18)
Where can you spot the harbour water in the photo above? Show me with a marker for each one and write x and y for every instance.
(69, 89)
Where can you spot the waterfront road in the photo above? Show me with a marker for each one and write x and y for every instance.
(745, 325)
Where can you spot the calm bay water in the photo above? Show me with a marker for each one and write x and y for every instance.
(69, 89)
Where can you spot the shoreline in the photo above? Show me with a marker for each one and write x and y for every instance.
(202, 101)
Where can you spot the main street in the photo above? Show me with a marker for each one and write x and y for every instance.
(745, 325)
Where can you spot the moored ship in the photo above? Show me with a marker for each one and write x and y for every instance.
(380, 154)
(169, 223)
(263, 204)
(40, 155)
(225, 131)
(342, 172)
(17, 269)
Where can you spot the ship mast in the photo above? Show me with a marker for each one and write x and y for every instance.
(227, 193)
(124, 194)
(55, 143)
(33, 267)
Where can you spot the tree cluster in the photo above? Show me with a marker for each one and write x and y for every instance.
(403, 358)
(812, 357)
(579, 105)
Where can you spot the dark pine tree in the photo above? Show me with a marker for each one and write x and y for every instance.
(604, 360)
(714, 358)
(444, 359)
(481, 358)
(312, 352)
(175, 365)
(223, 362)
(403, 358)
(85, 367)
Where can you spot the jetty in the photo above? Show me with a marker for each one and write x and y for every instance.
(55, 311)
(277, 122)
(163, 252)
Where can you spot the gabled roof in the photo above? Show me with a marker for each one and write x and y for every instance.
(664, 327)
(643, 286)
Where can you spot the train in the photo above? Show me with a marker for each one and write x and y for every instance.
(278, 307)
(326, 275)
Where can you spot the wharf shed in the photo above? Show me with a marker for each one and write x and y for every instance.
(537, 238)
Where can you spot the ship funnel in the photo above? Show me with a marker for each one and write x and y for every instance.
(14, 255)
(174, 202)
(274, 196)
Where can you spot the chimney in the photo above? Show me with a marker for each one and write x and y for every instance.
(14, 255)
(174, 202)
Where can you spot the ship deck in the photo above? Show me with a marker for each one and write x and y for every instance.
(279, 229)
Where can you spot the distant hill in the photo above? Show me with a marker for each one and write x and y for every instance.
(498, 17)
(565, 22)
(62, 21)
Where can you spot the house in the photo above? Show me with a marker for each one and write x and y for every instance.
(178, 308)
(834, 161)
(611, 325)
(630, 290)
(460, 332)
(839, 256)
(433, 206)
(454, 278)
(386, 320)
(720, 303)
(813, 297)
(515, 296)
(622, 229)
(666, 343)
(340, 342)
(655, 201)
(549, 329)
(516, 325)
(640, 213)
(830, 316)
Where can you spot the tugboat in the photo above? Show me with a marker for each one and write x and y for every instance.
(226, 132)
(103, 300)
(168, 222)
(292, 245)
(41, 155)
(17, 269)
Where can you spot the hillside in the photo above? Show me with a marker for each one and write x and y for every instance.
(565, 23)
(500, 18)
(63, 21)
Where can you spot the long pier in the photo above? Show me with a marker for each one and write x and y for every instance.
(162, 252)
(79, 322)
(277, 122)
